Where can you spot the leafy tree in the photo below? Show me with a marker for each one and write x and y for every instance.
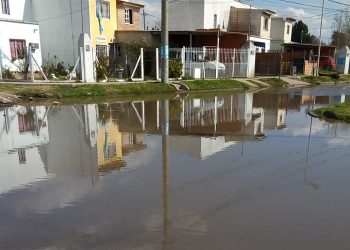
(300, 34)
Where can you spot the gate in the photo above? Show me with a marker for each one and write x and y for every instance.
(201, 62)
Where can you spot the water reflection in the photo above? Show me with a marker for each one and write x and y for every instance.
(164, 167)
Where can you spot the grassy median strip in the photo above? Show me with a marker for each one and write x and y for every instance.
(95, 90)
(275, 82)
(197, 85)
(318, 80)
(46, 91)
(338, 111)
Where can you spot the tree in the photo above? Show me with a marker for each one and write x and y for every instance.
(341, 34)
(300, 34)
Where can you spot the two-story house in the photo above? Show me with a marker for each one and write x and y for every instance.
(253, 21)
(231, 16)
(281, 31)
(62, 22)
(17, 33)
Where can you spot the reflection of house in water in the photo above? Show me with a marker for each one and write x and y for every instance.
(113, 145)
(72, 148)
(198, 126)
(23, 131)
(322, 95)
(275, 108)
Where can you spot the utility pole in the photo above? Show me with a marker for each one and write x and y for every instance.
(164, 52)
(340, 28)
(319, 45)
(301, 37)
(144, 20)
(250, 22)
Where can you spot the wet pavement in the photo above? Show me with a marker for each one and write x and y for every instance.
(233, 171)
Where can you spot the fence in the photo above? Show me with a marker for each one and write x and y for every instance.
(201, 62)
(276, 63)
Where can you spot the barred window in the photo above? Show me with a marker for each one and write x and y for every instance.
(128, 16)
(101, 50)
(106, 10)
(5, 6)
(17, 48)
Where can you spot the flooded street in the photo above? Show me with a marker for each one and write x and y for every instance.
(232, 171)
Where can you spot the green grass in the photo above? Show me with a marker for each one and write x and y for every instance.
(197, 85)
(45, 91)
(275, 82)
(318, 80)
(110, 90)
(339, 112)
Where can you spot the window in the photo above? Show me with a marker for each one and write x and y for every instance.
(215, 21)
(5, 6)
(17, 49)
(288, 29)
(266, 23)
(105, 10)
(128, 16)
(22, 156)
(101, 50)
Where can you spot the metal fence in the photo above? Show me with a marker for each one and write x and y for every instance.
(201, 62)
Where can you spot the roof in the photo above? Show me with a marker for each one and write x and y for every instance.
(17, 21)
(306, 45)
(126, 2)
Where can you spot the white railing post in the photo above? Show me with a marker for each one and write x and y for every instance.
(142, 66)
(233, 62)
(217, 63)
(183, 61)
(0, 64)
(157, 64)
(31, 65)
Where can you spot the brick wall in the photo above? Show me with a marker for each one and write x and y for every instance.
(308, 68)
(136, 17)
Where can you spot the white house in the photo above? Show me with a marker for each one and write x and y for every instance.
(231, 16)
(17, 34)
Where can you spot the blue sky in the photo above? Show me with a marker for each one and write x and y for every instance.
(309, 14)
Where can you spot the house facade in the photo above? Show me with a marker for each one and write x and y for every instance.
(255, 22)
(230, 16)
(281, 31)
(17, 34)
(129, 15)
(62, 22)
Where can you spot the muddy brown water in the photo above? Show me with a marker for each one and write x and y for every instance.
(228, 171)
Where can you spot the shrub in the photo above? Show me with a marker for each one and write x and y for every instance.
(102, 68)
(6, 73)
(175, 68)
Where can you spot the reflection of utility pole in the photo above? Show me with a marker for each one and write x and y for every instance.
(312, 184)
(165, 160)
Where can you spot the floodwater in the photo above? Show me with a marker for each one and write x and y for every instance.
(240, 171)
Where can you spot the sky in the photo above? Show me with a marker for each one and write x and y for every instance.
(311, 14)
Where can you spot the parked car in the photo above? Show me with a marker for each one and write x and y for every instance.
(212, 65)
(327, 62)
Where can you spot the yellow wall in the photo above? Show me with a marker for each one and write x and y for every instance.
(109, 25)
(114, 137)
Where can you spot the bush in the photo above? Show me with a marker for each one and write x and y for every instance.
(175, 68)
(6, 73)
(102, 68)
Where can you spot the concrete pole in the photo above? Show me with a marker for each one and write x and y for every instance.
(319, 45)
(165, 43)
